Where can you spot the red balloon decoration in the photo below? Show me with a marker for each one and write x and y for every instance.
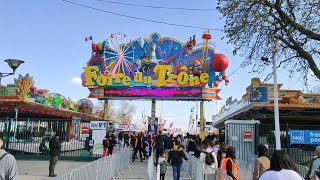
(94, 47)
(219, 62)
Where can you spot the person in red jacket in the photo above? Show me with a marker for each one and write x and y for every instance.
(105, 145)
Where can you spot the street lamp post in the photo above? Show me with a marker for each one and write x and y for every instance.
(275, 92)
(14, 64)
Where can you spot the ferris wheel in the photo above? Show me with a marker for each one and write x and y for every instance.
(119, 54)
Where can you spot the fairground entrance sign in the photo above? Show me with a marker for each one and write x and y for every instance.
(155, 68)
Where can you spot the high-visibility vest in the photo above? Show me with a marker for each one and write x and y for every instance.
(224, 168)
(136, 144)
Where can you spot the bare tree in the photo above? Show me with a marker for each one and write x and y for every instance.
(124, 112)
(99, 109)
(294, 23)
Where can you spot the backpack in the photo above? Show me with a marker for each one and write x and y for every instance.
(209, 158)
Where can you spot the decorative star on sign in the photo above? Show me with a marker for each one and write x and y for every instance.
(256, 92)
(217, 73)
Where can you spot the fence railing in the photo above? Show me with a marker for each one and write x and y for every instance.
(151, 170)
(301, 153)
(29, 138)
(245, 169)
(302, 170)
(198, 170)
(102, 169)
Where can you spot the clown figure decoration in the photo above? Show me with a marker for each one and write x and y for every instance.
(196, 67)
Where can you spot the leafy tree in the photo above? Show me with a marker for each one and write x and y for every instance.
(295, 25)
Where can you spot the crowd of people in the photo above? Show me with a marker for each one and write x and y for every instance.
(170, 150)
(212, 151)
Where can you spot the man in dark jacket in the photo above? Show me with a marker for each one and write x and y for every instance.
(139, 146)
(126, 140)
(55, 151)
(112, 142)
(159, 144)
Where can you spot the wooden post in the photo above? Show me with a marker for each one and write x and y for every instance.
(202, 121)
(153, 113)
(105, 110)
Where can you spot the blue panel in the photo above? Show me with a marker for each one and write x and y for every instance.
(304, 137)
(259, 94)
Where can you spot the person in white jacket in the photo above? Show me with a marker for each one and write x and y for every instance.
(209, 168)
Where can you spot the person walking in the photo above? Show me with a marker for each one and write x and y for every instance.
(215, 145)
(120, 141)
(175, 159)
(145, 146)
(105, 144)
(209, 158)
(150, 142)
(159, 145)
(281, 167)
(8, 164)
(139, 146)
(163, 165)
(132, 143)
(314, 166)
(262, 163)
(55, 151)
(221, 153)
(112, 142)
(126, 140)
(192, 146)
(228, 164)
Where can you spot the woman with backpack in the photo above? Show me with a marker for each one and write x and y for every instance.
(209, 159)
(175, 158)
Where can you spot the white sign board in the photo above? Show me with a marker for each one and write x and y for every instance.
(98, 136)
(95, 125)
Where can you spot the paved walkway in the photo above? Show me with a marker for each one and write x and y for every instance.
(39, 170)
(139, 172)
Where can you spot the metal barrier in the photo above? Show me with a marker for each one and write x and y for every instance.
(85, 172)
(302, 170)
(151, 168)
(102, 169)
(245, 169)
(198, 170)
